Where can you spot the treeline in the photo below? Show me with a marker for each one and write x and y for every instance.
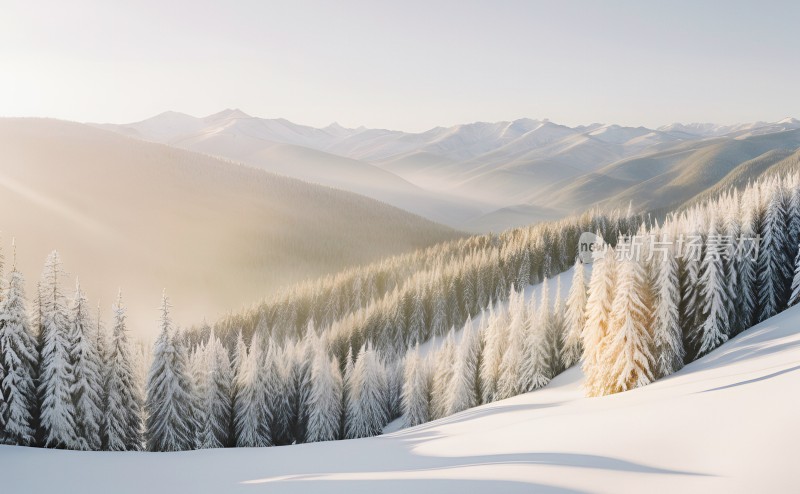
(658, 296)
(65, 382)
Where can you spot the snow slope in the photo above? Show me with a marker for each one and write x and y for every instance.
(726, 423)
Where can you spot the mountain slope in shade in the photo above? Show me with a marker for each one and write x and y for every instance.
(723, 424)
(142, 216)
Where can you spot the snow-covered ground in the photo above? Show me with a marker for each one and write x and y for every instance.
(725, 423)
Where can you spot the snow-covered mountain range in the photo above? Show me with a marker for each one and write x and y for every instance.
(485, 175)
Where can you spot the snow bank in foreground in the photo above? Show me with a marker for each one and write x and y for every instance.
(726, 423)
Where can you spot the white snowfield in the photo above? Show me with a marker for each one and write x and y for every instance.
(726, 423)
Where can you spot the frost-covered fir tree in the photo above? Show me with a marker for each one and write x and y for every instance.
(325, 401)
(443, 362)
(465, 389)
(122, 411)
(626, 358)
(512, 379)
(494, 333)
(87, 388)
(747, 300)
(367, 408)
(56, 377)
(555, 331)
(575, 318)
(598, 314)
(775, 268)
(252, 414)
(18, 359)
(712, 330)
(170, 420)
(217, 409)
(277, 386)
(536, 366)
(416, 389)
(667, 335)
(795, 296)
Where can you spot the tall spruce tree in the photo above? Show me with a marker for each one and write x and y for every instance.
(18, 359)
(170, 419)
(87, 388)
(123, 408)
(56, 377)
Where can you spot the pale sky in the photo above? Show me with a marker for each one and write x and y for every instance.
(407, 65)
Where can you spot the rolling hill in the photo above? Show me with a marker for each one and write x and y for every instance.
(142, 216)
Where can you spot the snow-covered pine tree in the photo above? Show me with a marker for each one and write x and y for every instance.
(252, 414)
(555, 331)
(56, 374)
(416, 389)
(325, 401)
(536, 366)
(747, 301)
(598, 314)
(667, 335)
(444, 360)
(689, 276)
(626, 359)
(733, 264)
(774, 267)
(512, 379)
(494, 334)
(795, 297)
(276, 379)
(87, 388)
(712, 329)
(367, 409)
(122, 411)
(18, 360)
(464, 391)
(575, 317)
(217, 411)
(170, 420)
(394, 383)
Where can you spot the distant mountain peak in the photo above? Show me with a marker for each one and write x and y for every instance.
(227, 114)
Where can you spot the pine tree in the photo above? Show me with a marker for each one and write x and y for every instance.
(712, 330)
(555, 331)
(18, 358)
(170, 420)
(367, 409)
(123, 408)
(416, 389)
(252, 414)
(625, 362)
(87, 387)
(795, 297)
(511, 380)
(444, 360)
(747, 267)
(464, 391)
(217, 408)
(575, 318)
(325, 401)
(56, 372)
(598, 314)
(667, 334)
(536, 367)
(774, 274)
(494, 332)
(277, 382)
